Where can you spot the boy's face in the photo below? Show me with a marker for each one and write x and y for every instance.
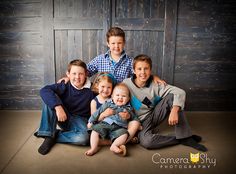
(142, 70)
(116, 45)
(120, 96)
(77, 76)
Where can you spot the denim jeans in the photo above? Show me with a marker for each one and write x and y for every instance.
(73, 130)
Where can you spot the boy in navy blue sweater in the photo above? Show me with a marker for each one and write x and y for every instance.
(68, 106)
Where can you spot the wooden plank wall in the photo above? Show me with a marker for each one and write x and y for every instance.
(143, 23)
(205, 58)
(205, 63)
(21, 61)
(78, 28)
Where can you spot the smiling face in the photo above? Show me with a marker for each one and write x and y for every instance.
(142, 70)
(77, 76)
(120, 95)
(104, 89)
(116, 45)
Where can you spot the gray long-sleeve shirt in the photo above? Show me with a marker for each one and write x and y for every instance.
(144, 100)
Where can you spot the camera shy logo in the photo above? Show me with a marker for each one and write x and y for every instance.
(193, 161)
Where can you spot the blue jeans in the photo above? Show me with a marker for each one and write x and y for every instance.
(73, 130)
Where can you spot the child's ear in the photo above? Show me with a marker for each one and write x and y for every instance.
(67, 73)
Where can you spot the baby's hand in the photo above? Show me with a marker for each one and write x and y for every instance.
(108, 112)
(89, 125)
(124, 115)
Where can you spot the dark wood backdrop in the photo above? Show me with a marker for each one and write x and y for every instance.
(192, 44)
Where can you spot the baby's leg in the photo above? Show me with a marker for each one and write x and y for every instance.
(133, 127)
(94, 139)
(115, 147)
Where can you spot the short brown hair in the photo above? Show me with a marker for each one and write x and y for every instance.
(77, 62)
(115, 31)
(142, 58)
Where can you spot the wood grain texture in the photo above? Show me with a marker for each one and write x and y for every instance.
(191, 43)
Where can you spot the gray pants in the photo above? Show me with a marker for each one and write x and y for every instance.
(150, 140)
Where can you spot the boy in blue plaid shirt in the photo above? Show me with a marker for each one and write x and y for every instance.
(115, 60)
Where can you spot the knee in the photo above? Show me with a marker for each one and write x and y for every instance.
(145, 141)
(133, 126)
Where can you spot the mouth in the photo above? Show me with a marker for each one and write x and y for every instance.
(142, 77)
(77, 81)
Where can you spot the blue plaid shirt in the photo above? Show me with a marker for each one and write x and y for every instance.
(104, 63)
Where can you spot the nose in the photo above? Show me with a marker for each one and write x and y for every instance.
(77, 76)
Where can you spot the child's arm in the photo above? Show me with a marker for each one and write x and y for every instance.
(61, 115)
(106, 113)
(156, 79)
(93, 106)
(173, 117)
(51, 94)
(97, 114)
(179, 94)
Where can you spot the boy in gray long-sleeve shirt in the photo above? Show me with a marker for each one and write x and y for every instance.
(153, 103)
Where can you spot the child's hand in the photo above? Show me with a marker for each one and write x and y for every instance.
(61, 115)
(124, 115)
(89, 125)
(174, 117)
(108, 112)
(66, 79)
(156, 79)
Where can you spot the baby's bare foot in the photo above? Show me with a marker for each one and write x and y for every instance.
(121, 150)
(91, 152)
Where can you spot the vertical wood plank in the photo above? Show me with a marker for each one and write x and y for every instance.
(48, 42)
(107, 22)
(169, 40)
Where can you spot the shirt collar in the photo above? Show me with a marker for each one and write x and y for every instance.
(108, 55)
(86, 85)
(148, 82)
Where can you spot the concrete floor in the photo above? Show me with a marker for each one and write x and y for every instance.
(19, 150)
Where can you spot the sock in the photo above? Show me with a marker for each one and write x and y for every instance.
(197, 138)
(193, 143)
(46, 146)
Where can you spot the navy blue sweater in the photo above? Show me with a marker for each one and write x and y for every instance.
(76, 102)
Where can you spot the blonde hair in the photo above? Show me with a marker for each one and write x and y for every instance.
(103, 76)
(122, 85)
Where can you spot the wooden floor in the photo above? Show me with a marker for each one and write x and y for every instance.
(19, 150)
